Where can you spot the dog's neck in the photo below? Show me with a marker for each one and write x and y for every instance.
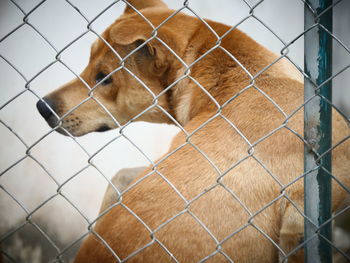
(205, 89)
(202, 90)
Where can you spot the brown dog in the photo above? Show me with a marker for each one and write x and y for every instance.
(214, 194)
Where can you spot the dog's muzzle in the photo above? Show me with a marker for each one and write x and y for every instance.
(46, 108)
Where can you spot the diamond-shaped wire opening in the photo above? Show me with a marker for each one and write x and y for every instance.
(205, 209)
(27, 57)
(140, 232)
(185, 227)
(74, 217)
(17, 179)
(62, 17)
(170, 194)
(82, 199)
(199, 170)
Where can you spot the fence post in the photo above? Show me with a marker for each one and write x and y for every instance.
(318, 131)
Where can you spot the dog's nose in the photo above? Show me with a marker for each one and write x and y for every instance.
(43, 108)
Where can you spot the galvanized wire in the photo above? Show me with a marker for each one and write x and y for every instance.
(220, 182)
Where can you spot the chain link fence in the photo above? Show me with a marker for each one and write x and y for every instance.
(320, 244)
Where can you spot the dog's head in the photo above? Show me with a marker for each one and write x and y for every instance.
(125, 74)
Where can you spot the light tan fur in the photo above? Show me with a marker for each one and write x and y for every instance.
(120, 182)
(153, 200)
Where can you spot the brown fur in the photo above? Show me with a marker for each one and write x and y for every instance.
(153, 200)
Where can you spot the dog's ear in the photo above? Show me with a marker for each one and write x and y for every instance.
(137, 37)
(141, 4)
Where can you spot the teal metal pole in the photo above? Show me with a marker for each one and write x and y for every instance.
(318, 132)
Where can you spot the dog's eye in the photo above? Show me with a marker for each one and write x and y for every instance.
(100, 76)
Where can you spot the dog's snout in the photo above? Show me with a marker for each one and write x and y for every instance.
(44, 106)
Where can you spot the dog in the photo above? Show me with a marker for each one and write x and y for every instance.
(217, 192)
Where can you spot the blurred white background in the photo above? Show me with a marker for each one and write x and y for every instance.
(61, 156)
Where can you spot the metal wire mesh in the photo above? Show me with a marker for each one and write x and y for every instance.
(188, 202)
